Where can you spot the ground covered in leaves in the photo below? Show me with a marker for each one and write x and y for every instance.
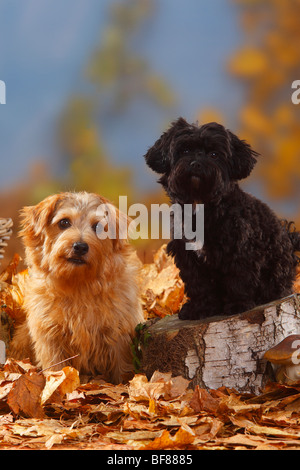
(54, 410)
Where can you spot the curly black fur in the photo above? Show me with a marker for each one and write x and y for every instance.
(248, 257)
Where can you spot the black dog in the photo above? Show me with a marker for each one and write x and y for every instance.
(248, 257)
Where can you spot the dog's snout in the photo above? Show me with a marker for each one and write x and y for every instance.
(195, 164)
(199, 155)
(80, 248)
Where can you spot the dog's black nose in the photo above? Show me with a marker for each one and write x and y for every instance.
(80, 248)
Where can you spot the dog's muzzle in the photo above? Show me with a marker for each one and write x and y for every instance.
(79, 249)
(196, 179)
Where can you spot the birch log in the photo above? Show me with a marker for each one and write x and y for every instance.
(222, 351)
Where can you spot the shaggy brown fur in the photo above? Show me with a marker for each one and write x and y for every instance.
(82, 294)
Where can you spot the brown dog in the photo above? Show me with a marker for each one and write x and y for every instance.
(82, 294)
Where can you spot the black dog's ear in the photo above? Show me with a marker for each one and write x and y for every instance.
(157, 157)
(243, 158)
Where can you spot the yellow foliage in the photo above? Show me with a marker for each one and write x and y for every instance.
(256, 121)
(249, 62)
(268, 64)
(210, 115)
(284, 52)
(284, 116)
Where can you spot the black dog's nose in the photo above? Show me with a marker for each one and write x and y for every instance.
(80, 248)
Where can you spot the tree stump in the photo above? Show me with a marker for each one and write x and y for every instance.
(221, 351)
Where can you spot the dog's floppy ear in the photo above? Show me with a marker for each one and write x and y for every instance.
(157, 156)
(113, 224)
(34, 219)
(243, 158)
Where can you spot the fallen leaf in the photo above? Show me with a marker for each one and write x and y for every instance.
(161, 286)
(5, 388)
(12, 287)
(19, 367)
(124, 436)
(254, 428)
(182, 438)
(208, 427)
(25, 397)
(140, 389)
(63, 381)
(54, 439)
(245, 440)
(177, 386)
(203, 401)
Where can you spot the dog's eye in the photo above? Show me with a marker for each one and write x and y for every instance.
(213, 154)
(94, 227)
(186, 151)
(64, 223)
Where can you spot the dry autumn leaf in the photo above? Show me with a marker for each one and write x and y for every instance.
(12, 285)
(25, 397)
(62, 382)
(161, 286)
(160, 385)
(184, 437)
(203, 401)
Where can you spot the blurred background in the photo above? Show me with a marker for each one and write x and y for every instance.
(90, 85)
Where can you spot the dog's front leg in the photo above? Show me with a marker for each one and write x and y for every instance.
(199, 282)
(239, 290)
(202, 293)
(50, 354)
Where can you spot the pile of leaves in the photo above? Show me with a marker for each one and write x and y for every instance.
(161, 286)
(53, 410)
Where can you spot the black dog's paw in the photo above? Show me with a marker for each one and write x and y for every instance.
(190, 311)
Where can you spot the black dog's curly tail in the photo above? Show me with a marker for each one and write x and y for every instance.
(293, 234)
